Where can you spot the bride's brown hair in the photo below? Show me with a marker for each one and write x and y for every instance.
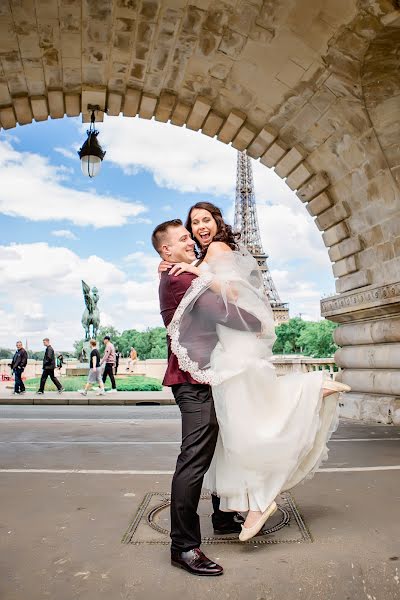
(224, 233)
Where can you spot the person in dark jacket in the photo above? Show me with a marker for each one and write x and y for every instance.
(18, 365)
(49, 364)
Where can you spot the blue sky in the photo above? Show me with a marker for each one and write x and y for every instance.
(58, 227)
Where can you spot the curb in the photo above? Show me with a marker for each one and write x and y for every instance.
(75, 399)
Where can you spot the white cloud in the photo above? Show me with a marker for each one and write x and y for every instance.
(22, 171)
(67, 153)
(42, 286)
(187, 161)
(288, 235)
(64, 233)
(303, 295)
(166, 208)
(178, 158)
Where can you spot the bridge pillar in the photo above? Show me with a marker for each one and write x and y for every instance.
(369, 336)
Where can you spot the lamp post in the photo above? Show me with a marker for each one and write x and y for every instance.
(91, 153)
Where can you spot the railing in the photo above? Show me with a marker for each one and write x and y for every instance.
(284, 364)
(295, 363)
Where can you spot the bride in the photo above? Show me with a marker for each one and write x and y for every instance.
(273, 430)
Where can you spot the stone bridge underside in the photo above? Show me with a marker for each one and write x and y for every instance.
(308, 87)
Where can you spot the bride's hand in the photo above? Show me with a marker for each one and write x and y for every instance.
(164, 266)
(184, 268)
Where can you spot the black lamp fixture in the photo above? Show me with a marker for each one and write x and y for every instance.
(91, 153)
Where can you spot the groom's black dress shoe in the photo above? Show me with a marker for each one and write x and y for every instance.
(195, 562)
(230, 523)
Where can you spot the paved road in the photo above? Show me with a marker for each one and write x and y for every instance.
(71, 479)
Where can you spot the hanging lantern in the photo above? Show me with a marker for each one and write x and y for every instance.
(91, 153)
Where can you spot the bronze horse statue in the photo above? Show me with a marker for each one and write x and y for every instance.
(91, 315)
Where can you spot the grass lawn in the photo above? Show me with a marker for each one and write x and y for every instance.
(73, 384)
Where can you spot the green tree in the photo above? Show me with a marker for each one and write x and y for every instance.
(149, 344)
(78, 345)
(287, 337)
(316, 339)
(6, 353)
(107, 330)
(312, 338)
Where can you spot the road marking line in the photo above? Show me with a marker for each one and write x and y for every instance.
(159, 443)
(388, 439)
(88, 471)
(358, 469)
(91, 442)
(144, 472)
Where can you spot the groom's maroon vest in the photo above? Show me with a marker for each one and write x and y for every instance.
(171, 291)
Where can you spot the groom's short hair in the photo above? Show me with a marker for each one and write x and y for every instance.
(160, 234)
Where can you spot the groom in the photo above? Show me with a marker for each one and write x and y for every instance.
(199, 424)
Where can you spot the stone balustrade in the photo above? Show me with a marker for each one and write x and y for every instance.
(284, 364)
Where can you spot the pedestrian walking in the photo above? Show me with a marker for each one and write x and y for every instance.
(60, 361)
(117, 357)
(94, 371)
(49, 364)
(18, 364)
(108, 361)
(133, 358)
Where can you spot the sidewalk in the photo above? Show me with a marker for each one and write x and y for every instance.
(74, 398)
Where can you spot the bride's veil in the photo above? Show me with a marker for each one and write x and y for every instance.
(226, 305)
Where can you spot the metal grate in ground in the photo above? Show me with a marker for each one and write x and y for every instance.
(151, 524)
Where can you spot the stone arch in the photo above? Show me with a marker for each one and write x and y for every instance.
(298, 87)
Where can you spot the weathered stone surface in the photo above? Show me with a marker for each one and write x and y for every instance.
(377, 356)
(131, 103)
(114, 104)
(319, 204)
(335, 234)
(262, 141)
(345, 248)
(274, 153)
(374, 381)
(353, 281)
(56, 104)
(371, 408)
(330, 217)
(378, 331)
(213, 123)
(290, 161)
(39, 108)
(23, 111)
(165, 107)
(244, 137)
(7, 117)
(72, 105)
(180, 114)
(147, 106)
(313, 187)
(299, 176)
(199, 112)
(345, 266)
(231, 126)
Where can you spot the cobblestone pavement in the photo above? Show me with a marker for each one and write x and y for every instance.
(73, 478)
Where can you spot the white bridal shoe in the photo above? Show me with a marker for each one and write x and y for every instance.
(249, 532)
(335, 386)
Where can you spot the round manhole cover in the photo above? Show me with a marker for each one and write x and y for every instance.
(159, 519)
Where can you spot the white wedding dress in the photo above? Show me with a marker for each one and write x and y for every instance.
(273, 430)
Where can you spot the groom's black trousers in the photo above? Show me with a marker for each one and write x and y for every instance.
(199, 437)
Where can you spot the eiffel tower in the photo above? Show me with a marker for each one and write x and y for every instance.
(246, 222)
